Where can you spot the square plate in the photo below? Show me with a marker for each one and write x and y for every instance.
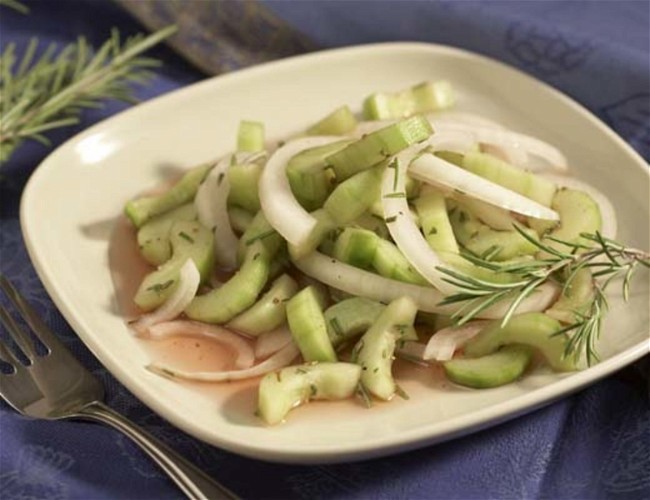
(76, 196)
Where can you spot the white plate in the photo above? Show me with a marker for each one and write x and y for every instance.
(78, 192)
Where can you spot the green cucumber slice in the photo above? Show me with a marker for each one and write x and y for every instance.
(142, 209)
(356, 247)
(341, 121)
(391, 263)
(378, 146)
(531, 329)
(352, 197)
(374, 352)
(576, 298)
(308, 328)
(243, 181)
(432, 212)
(153, 236)
(240, 219)
(237, 294)
(422, 98)
(269, 312)
(260, 230)
(250, 136)
(281, 391)
(500, 368)
(189, 240)
(351, 317)
(496, 170)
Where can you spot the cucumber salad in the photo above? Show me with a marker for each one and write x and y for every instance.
(409, 230)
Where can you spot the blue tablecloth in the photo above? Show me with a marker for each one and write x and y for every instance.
(594, 444)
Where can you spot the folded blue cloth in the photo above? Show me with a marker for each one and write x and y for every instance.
(595, 444)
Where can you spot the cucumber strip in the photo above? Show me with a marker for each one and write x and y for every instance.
(378, 146)
(281, 391)
(354, 196)
(243, 186)
(153, 236)
(492, 168)
(482, 240)
(260, 230)
(350, 318)
(432, 212)
(532, 329)
(579, 213)
(142, 209)
(189, 240)
(250, 136)
(576, 298)
(391, 263)
(269, 312)
(341, 121)
(308, 328)
(374, 352)
(240, 219)
(495, 217)
(371, 223)
(356, 247)
(310, 180)
(422, 98)
(500, 368)
(238, 293)
(324, 226)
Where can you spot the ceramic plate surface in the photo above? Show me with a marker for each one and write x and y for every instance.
(73, 200)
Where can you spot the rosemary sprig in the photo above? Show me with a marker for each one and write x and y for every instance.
(49, 92)
(607, 259)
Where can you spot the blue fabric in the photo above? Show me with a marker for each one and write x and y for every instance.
(594, 444)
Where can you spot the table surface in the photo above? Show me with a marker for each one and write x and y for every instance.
(593, 444)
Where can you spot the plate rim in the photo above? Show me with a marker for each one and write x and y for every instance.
(404, 439)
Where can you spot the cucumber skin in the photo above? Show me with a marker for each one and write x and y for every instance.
(352, 317)
(237, 294)
(153, 236)
(281, 391)
(500, 368)
(308, 328)
(142, 209)
(532, 329)
(200, 250)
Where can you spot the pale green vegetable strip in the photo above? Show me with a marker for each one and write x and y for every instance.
(493, 370)
(350, 318)
(308, 328)
(260, 230)
(243, 186)
(269, 312)
(341, 121)
(281, 391)
(142, 209)
(391, 263)
(153, 236)
(352, 197)
(238, 293)
(432, 211)
(240, 219)
(250, 137)
(324, 224)
(576, 298)
(422, 98)
(356, 247)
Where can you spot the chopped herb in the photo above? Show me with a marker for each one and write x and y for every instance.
(336, 326)
(462, 217)
(388, 220)
(376, 369)
(259, 236)
(459, 191)
(384, 354)
(395, 195)
(365, 397)
(220, 178)
(433, 230)
(256, 256)
(313, 390)
(394, 165)
(401, 392)
(301, 370)
(159, 287)
(186, 236)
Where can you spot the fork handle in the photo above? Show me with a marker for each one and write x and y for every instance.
(195, 483)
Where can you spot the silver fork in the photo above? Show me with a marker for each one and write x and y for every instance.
(56, 386)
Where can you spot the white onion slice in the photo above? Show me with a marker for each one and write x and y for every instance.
(280, 359)
(444, 343)
(607, 213)
(514, 141)
(412, 351)
(211, 202)
(460, 142)
(404, 231)
(186, 328)
(271, 342)
(280, 206)
(188, 284)
(433, 170)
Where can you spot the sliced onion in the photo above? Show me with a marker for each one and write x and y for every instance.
(185, 328)
(451, 141)
(444, 343)
(188, 284)
(211, 203)
(280, 206)
(412, 351)
(509, 141)
(271, 342)
(280, 359)
(433, 170)
(607, 213)
(404, 231)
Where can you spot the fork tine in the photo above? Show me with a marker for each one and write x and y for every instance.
(8, 357)
(20, 336)
(40, 329)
